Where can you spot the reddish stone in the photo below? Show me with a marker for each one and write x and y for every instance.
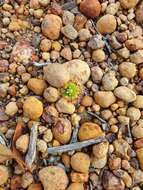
(3, 44)
(3, 65)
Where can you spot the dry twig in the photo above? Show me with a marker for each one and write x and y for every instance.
(75, 146)
(40, 64)
(31, 154)
(103, 122)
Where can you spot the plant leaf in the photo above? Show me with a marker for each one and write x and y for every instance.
(16, 154)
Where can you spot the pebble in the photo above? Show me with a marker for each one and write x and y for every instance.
(134, 44)
(30, 103)
(96, 74)
(137, 57)
(36, 85)
(84, 35)
(48, 136)
(66, 53)
(127, 69)
(111, 181)
(46, 56)
(109, 81)
(98, 162)
(141, 73)
(122, 148)
(34, 186)
(139, 14)
(123, 120)
(45, 45)
(137, 131)
(100, 150)
(56, 46)
(98, 55)
(76, 186)
(11, 108)
(6, 21)
(140, 157)
(51, 26)
(90, 8)
(34, 4)
(62, 130)
(38, 13)
(51, 94)
(104, 98)
(54, 78)
(70, 32)
(63, 106)
(27, 179)
(96, 42)
(44, 3)
(53, 178)
(79, 177)
(137, 176)
(80, 21)
(133, 113)
(128, 4)
(112, 8)
(89, 130)
(4, 174)
(22, 143)
(124, 176)
(80, 162)
(3, 89)
(87, 101)
(109, 21)
(79, 70)
(124, 53)
(22, 52)
(138, 143)
(68, 17)
(41, 146)
(138, 103)
(114, 163)
(125, 94)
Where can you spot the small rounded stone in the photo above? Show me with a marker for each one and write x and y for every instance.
(30, 103)
(4, 174)
(80, 162)
(11, 108)
(109, 21)
(98, 55)
(45, 45)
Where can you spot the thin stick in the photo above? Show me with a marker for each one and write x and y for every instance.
(40, 64)
(95, 115)
(75, 146)
(31, 154)
(103, 122)
(2, 141)
(129, 131)
(74, 135)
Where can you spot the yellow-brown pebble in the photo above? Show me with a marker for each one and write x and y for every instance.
(98, 55)
(45, 45)
(33, 108)
(4, 174)
(87, 101)
(89, 130)
(36, 85)
(109, 21)
(80, 162)
(76, 186)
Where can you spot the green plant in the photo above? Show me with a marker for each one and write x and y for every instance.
(71, 91)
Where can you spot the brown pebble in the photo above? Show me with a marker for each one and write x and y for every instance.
(90, 8)
(87, 101)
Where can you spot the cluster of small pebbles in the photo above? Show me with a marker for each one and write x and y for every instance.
(68, 64)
